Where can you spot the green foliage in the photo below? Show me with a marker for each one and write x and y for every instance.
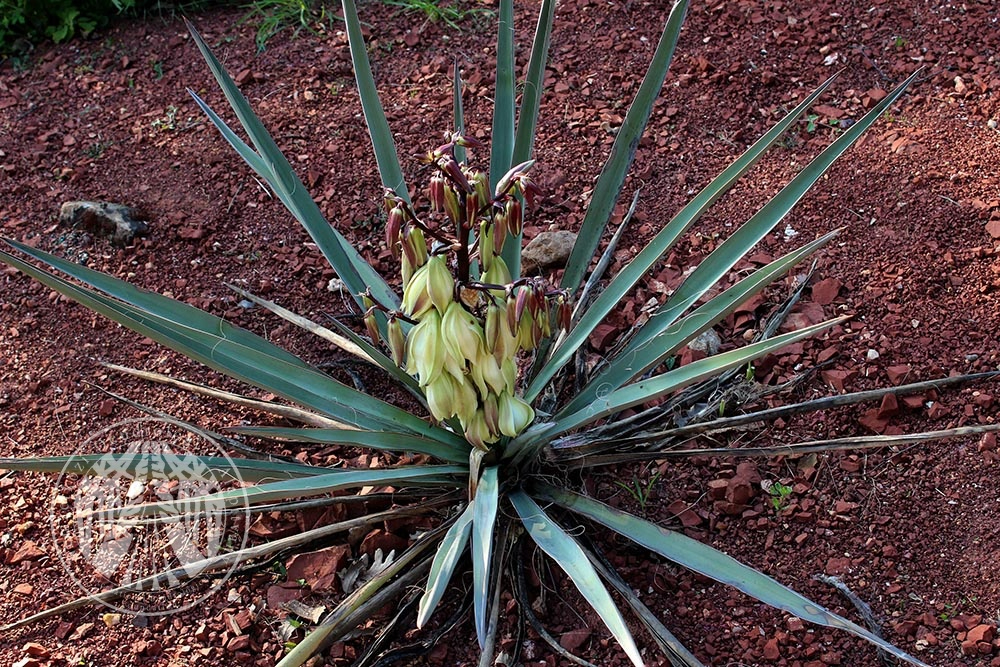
(451, 12)
(274, 16)
(778, 492)
(452, 340)
(27, 23)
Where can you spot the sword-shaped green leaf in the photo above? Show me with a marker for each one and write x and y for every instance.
(380, 440)
(641, 392)
(722, 259)
(502, 146)
(163, 466)
(624, 368)
(378, 126)
(569, 556)
(484, 515)
(609, 183)
(712, 563)
(443, 567)
(305, 487)
(626, 280)
(271, 165)
(222, 346)
(527, 116)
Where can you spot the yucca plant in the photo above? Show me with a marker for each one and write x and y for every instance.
(486, 354)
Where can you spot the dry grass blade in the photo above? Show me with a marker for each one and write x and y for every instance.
(286, 411)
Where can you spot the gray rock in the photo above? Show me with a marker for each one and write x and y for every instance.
(548, 249)
(103, 219)
(708, 342)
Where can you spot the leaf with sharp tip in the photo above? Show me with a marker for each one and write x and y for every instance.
(527, 116)
(141, 464)
(626, 280)
(222, 346)
(304, 487)
(270, 163)
(712, 563)
(483, 517)
(721, 260)
(445, 560)
(378, 126)
(658, 385)
(378, 440)
(457, 112)
(623, 369)
(569, 556)
(502, 147)
(612, 178)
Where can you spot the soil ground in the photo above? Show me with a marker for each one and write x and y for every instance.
(912, 531)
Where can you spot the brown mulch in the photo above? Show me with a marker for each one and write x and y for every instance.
(912, 532)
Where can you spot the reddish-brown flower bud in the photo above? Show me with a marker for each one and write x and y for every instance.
(435, 192)
(508, 179)
(393, 227)
(450, 167)
(515, 215)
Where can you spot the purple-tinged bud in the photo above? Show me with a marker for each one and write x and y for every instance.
(515, 215)
(564, 315)
(466, 142)
(397, 341)
(453, 170)
(528, 190)
(372, 326)
(452, 205)
(435, 192)
(393, 226)
(505, 183)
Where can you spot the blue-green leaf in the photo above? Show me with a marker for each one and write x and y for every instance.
(712, 563)
(445, 560)
(626, 280)
(379, 440)
(569, 556)
(612, 178)
(483, 517)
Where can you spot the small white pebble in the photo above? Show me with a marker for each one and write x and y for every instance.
(872, 355)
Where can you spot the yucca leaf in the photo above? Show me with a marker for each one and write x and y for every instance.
(360, 605)
(676, 652)
(712, 563)
(222, 346)
(621, 370)
(570, 557)
(144, 465)
(613, 174)
(527, 117)
(378, 126)
(272, 166)
(647, 390)
(379, 440)
(290, 412)
(534, 84)
(383, 361)
(445, 560)
(305, 487)
(722, 259)
(626, 279)
(502, 146)
(484, 515)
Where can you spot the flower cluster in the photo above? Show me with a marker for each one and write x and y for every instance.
(470, 318)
